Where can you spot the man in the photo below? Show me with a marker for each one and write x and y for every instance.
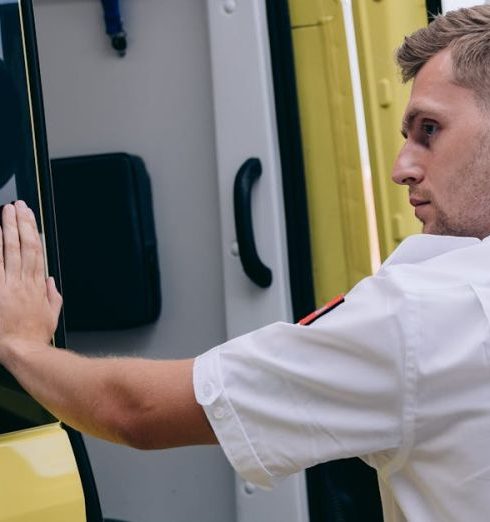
(399, 374)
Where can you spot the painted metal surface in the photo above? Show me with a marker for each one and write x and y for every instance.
(39, 479)
(246, 127)
(339, 227)
(380, 28)
(156, 102)
(450, 5)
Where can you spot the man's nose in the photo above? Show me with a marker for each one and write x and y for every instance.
(407, 169)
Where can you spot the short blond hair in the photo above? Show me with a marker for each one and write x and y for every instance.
(466, 33)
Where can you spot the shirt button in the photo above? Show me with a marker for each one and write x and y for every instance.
(207, 390)
(219, 412)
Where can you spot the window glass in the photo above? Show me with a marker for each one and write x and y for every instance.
(18, 180)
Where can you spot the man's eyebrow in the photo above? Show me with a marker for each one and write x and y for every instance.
(408, 121)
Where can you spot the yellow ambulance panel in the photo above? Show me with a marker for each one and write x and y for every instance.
(39, 477)
(380, 29)
(335, 194)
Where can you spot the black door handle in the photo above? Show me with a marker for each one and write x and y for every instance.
(246, 176)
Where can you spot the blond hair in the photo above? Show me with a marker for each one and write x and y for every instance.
(466, 33)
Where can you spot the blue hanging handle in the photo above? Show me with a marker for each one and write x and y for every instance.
(114, 26)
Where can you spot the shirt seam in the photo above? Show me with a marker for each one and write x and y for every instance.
(409, 406)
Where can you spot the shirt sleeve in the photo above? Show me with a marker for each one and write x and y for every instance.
(287, 397)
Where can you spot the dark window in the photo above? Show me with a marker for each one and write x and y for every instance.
(18, 180)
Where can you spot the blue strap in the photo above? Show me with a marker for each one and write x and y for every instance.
(112, 17)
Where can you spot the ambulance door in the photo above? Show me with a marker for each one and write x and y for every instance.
(44, 472)
(254, 249)
(379, 30)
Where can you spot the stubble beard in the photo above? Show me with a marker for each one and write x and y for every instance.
(470, 190)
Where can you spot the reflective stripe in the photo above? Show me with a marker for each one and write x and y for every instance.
(322, 311)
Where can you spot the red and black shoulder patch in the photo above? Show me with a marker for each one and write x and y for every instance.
(310, 318)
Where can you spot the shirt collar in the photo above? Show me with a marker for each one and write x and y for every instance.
(421, 247)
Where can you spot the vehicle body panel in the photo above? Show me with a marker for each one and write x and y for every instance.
(39, 477)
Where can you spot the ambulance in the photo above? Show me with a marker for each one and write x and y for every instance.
(267, 130)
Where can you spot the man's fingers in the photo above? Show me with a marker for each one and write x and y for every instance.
(11, 243)
(30, 245)
(32, 265)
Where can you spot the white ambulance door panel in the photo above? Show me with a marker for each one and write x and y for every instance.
(246, 128)
(451, 5)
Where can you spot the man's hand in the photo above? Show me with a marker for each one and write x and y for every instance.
(29, 304)
(143, 403)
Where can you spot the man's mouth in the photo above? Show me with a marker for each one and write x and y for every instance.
(417, 202)
(420, 205)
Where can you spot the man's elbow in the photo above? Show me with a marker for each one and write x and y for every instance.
(116, 423)
(131, 430)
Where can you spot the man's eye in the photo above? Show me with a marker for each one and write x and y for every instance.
(429, 128)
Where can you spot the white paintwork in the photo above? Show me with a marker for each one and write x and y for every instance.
(246, 127)
(450, 5)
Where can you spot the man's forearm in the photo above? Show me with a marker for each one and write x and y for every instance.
(146, 404)
(143, 403)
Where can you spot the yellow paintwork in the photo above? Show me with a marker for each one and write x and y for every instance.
(309, 12)
(380, 28)
(336, 206)
(39, 480)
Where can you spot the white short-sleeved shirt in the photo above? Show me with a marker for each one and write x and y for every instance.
(399, 375)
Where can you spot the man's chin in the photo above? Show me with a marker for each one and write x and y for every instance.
(426, 229)
(431, 228)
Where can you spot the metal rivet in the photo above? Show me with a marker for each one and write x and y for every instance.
(229, 6)
(249, 488)
(234, 250)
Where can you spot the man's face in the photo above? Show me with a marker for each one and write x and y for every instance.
(445, 160)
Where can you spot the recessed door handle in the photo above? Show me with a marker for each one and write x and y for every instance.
(246, 176)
